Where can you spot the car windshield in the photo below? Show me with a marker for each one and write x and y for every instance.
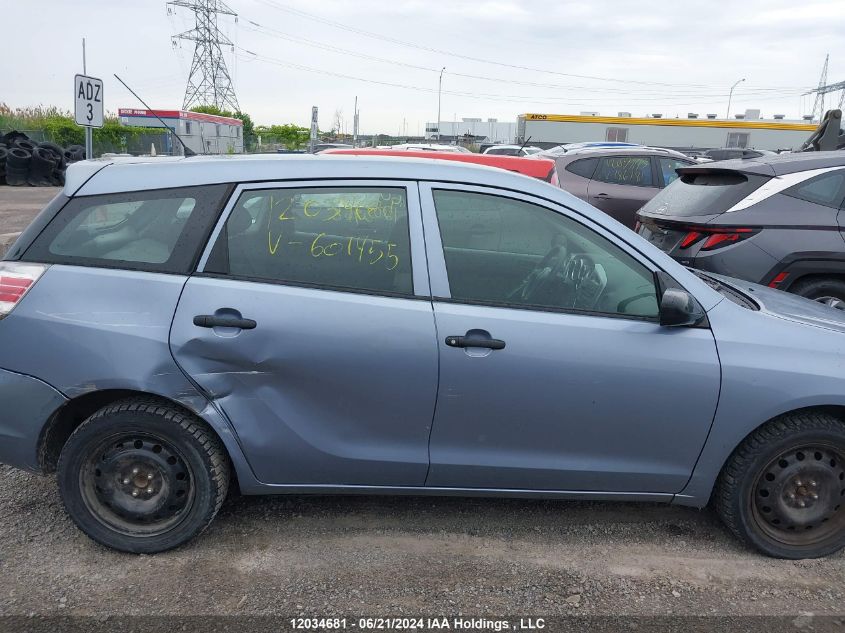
(703, 193)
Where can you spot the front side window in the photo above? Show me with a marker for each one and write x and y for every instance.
(158, 230)
(625, 170)
(507, 252)
(337, 237)
(826, 189)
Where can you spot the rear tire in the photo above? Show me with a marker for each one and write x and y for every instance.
(827, 290)
(783, 489)
(142, 476)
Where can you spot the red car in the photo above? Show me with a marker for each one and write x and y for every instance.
(540, 168)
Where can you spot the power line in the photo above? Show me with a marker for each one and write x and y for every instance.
(271, 32)
(557, 101)
(386, 38)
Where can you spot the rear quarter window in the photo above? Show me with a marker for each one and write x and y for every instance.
(826, 189)
(162, 230)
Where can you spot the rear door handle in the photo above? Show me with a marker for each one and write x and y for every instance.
(474, 341)
(604, 196)
(212, 320)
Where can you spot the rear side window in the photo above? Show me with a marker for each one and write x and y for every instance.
(162, 230)
(703, 193)
(826, 189)
(625, 170)
(585, 167)
(335, 237)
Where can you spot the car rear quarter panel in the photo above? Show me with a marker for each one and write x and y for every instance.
(24, 402)
(770, 366)
(82, 330)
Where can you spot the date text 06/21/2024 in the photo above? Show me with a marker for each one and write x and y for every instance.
(416, 624)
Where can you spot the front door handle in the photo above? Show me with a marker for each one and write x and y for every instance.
(604, 196)
(213, 320)
(474, 341)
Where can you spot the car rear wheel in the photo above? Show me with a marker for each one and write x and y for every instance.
(827, 290)
(141, 476)
(783, 489)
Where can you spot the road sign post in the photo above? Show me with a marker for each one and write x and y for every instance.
(88, 104)
(313, 140)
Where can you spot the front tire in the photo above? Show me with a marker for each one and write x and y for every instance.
(783, 489)
(827, 290)
(141, 476)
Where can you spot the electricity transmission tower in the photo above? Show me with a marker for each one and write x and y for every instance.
(826, 88)
(209, 82)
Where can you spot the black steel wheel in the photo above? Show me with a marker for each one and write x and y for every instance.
(799, 498)
(143, 476)
(783, 489)
(137, 484)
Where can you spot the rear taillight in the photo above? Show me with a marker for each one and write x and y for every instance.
(553, 179)
(16, 279)
(714, 237)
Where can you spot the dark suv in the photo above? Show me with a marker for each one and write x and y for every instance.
(775, 220)
(618, 180)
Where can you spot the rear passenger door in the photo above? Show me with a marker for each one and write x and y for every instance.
(621, 185)
(310, 324)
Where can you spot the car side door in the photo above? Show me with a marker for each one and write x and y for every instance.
(309, 324)
(554, 371)
(621, 185)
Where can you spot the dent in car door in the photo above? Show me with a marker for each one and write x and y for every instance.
(335, 381)
(552, 398)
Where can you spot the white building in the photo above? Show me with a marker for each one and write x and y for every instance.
(202, 133)
(486, 131)
(707, 132)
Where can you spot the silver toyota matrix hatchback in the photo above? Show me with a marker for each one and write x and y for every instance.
(350, 324)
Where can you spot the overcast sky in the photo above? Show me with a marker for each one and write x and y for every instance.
(522, 56)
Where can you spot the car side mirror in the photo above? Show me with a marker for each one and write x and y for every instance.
(678, 308)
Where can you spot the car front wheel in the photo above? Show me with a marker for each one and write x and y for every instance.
(142, 476)
(826, 290)
(783, 489)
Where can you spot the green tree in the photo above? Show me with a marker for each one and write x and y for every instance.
(290, 135)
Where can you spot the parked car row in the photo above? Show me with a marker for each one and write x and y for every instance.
(372, 324)
(788, 235)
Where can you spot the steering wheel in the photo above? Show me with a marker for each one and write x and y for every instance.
(539, 279)
(587, 280)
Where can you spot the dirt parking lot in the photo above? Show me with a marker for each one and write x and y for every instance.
(389, 555)
(18, 206)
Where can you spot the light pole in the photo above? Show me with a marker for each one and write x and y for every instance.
(730, 96)
(439, 86)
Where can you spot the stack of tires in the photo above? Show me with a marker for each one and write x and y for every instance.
(24, 162)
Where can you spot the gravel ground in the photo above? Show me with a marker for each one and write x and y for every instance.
(394, 555)
(18, 206)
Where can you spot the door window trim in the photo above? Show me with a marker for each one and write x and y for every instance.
(438, 276)
(419, 269)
